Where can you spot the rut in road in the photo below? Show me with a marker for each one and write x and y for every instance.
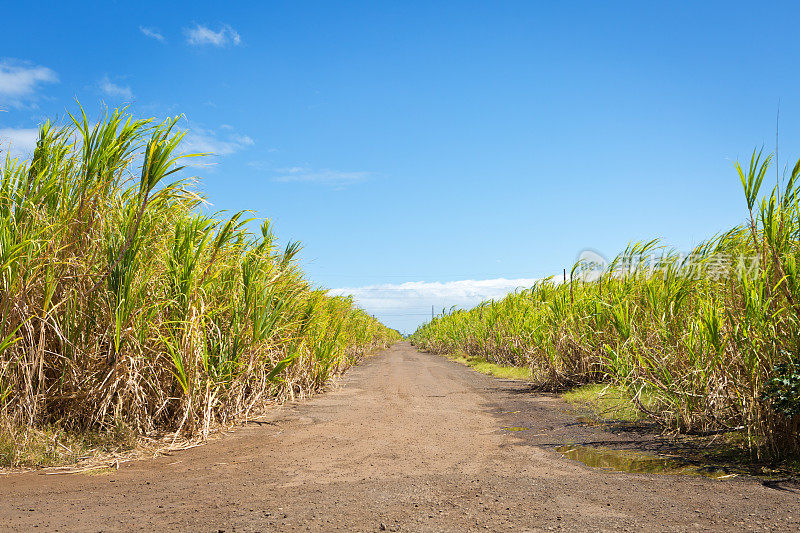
(408, 441)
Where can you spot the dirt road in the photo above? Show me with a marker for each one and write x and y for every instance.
(407, 442)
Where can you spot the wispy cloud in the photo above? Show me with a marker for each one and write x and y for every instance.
(201, 35)
(325, 176)
(406, 305)
(19, 80)
(112, 89)
(202, 140)
(153, 33)
(18, 142)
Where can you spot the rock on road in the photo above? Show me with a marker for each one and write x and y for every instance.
(408, 441)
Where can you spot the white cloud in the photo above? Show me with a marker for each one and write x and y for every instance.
(406, 305)
(325, 176)
(202, 35)
(114, 90)
(18, 142)
(201, 140)
(152, 33)
(19, 81)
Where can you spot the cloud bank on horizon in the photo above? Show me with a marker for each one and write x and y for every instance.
(404, 306)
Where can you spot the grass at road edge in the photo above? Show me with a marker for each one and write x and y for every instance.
(53, 446)
(485, 367)
(604, 401)
(611, 403)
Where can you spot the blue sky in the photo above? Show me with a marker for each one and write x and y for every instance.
(435, 143)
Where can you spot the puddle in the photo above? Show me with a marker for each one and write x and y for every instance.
(637, 462)
(516, 428)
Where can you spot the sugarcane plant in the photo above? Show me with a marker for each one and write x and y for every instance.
(710, 337)
(124, 303)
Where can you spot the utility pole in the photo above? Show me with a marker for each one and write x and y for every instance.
(571, 299)
(431, 312)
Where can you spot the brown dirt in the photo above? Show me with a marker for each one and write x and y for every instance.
(407, 442)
